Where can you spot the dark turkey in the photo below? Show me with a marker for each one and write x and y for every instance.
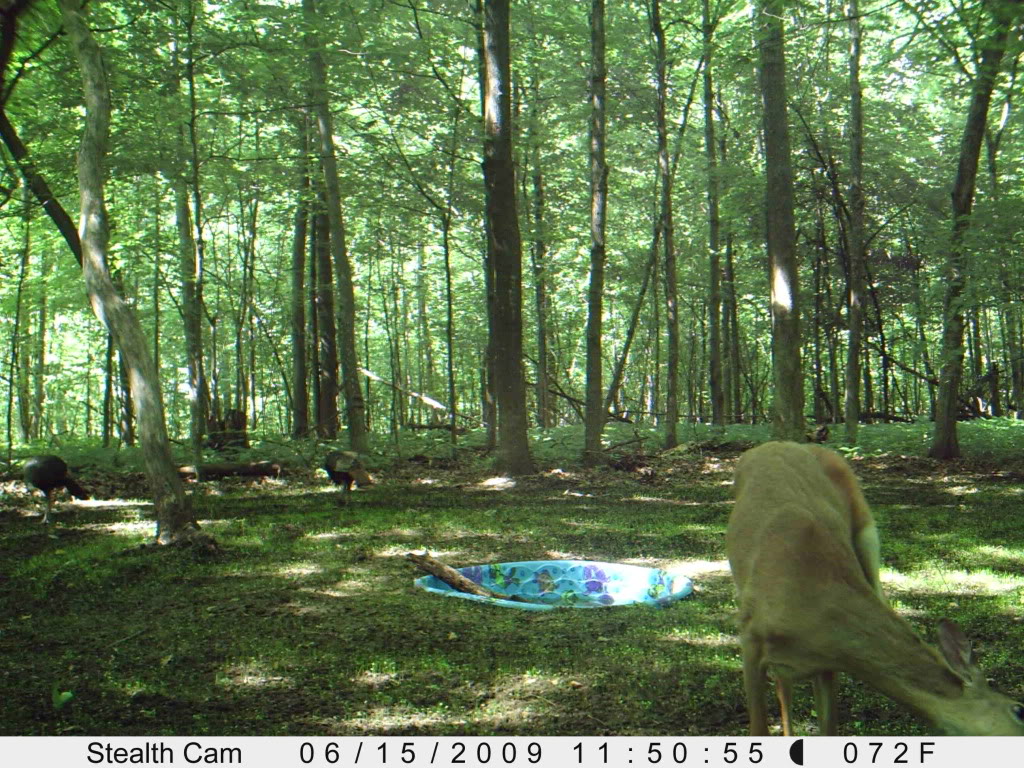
(345, 470)
(48, 473)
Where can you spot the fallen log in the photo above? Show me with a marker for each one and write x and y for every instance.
(231, 469)
(453, 578)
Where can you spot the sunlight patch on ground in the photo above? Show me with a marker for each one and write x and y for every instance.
(714, 465)
(349, 588)
(439, 554)
(694, 569)
(71, 508)
(1018, 491)
(961, 490)
(704, 641)
(936, 582)
(674, 502)
(577, 494)
(250, 674)
(561, 555)
(112, 503)
(1001, 555)
(400, 719)
(333, 536)
(560, 473)
(376, 678)
(496, 484)
(410, 533)
(403, 550)
(138, 528)
(300, 569)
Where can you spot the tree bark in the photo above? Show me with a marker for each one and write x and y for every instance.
(667, 230)
(185, 171)
(42, 324)
(300, 369)
(715, 374)
(504, 247)
(16, 331)
(173, 508)
(855, 248)
(355, 406)
(326, 340)
(735, 391)
(787, 409)
(945, 444)
(620, 364)
(1013, 355)
(594, 409)
(538, 261)
(191, 313)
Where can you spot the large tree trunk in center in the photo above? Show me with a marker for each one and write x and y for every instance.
(788, 407)
(504, 247)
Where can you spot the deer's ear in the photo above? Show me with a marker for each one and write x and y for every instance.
(957, 650)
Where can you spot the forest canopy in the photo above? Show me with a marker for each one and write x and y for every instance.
(282, 279)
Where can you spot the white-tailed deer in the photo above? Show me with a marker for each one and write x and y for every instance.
(803, 550)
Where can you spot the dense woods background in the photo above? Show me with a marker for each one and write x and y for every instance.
(299, 219)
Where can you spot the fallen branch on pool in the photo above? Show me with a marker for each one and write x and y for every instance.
(454, 579)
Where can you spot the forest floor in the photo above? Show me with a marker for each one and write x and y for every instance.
(307, 621)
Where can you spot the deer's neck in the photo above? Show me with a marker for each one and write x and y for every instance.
(885, 652)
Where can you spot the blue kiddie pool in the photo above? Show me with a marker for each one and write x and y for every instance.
(540, 585)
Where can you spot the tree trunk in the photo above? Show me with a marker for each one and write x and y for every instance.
(787, 409)
(12, 367)
(449, 327)
(426, 373)
(126, 422)
(192, 246)
(732, 310)
(172, 506)
(191, 313)
(504, 248)
(1010, 313)
(538, 260)
(822, 403)
(667, 231)
(595, 413)
(327, 348)
(945, 444)
(855, 248)
(715, 383)
(108, 392)
(355, 406)
(300, 370)
(39, 374)
(620, 364)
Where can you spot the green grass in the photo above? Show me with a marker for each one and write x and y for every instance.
(307, 622)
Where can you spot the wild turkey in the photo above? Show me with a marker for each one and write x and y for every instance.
(48, 473)
(345, 470)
